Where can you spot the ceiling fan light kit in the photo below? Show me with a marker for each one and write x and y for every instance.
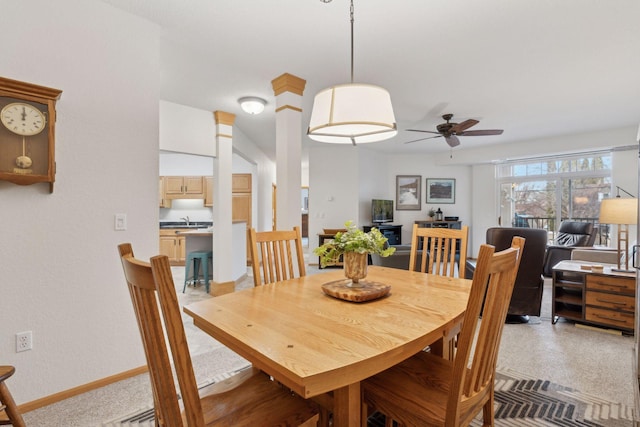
(354, 113)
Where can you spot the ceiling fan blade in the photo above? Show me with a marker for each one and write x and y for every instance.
(420, 130)
(452, 140)
(482, 132)
(460, 127)
(422, 139)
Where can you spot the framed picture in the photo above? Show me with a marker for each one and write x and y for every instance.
(441, 190)
(408, 192)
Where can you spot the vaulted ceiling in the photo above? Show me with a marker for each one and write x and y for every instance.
(535, 68)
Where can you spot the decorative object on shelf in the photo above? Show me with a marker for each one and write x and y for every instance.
(432, 213)
(252, 104)
(27, 134)
(438, 215)
(408, 192)
(352, 113)
(355, 241)
(621, 212)
(441, 190)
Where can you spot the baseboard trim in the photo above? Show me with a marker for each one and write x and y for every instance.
(62, 395)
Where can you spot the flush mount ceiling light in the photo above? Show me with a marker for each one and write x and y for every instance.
(352, 113)
(252, 104)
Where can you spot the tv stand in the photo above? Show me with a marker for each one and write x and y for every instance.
(392, 232)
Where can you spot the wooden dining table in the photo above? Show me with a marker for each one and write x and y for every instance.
(321, 346)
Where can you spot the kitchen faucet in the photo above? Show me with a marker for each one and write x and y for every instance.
(186, 219)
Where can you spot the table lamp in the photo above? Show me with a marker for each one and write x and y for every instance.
(621, 212)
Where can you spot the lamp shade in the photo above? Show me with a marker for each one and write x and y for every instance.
(619, 211)
(352, 114)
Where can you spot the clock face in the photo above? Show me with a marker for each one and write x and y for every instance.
(23, 119)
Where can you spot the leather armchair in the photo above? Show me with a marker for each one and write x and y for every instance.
(572, 234)
(527, 292)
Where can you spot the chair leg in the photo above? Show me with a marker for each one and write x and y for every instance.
(488, 412)
(11, 408)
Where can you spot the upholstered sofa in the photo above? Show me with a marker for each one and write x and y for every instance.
(399, 259)
(571, 235)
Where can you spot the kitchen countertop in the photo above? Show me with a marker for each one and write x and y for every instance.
(182, 224)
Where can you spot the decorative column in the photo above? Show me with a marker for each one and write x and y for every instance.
(288, 90)
(222, 282)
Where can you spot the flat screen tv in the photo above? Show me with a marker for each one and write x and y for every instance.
(381, 211)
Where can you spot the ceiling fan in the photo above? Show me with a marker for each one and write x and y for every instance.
(451, 131)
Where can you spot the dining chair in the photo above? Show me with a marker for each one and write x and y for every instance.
(248, 398)
(439, 250)
(430, 390)
(9, 414)
(273, 252)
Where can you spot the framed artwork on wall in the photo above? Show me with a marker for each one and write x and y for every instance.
(441, 190)
(408, 192)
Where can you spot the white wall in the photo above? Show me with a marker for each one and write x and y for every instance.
(61, 276)
(180, 124)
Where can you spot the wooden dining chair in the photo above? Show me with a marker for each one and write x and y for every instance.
(442, 250)
(428, 390)
(249, 398)
(275, 253)
(9, 414)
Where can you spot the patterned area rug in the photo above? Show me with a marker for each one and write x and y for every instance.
(520, 402)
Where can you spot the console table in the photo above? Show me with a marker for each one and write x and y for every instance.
(440, 224)
(604, 298)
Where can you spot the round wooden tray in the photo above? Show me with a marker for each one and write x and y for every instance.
(364, 291)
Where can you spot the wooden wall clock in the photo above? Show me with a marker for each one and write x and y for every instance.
(27, 132)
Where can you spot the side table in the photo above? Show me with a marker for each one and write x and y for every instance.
(604, 298)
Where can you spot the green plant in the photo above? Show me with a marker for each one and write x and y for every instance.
(432, 213)
(353, 240)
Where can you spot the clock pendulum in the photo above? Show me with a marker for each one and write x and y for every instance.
(23, 162)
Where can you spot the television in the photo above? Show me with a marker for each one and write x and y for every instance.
(381, 211)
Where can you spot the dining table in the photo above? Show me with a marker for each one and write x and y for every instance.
(321, 346)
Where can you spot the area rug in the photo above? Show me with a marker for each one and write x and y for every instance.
(520, 402)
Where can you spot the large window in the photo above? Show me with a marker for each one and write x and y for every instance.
(540, 193)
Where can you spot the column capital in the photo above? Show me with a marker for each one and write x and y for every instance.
(223, 118)
(288, 83)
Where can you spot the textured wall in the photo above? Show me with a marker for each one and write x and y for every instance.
(60, 276)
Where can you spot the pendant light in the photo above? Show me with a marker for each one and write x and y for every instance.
(353, 113)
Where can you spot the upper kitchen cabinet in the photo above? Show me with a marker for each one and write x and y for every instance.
(183, 187)
(241, 183)
(208, 191)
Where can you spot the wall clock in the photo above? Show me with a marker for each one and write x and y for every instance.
(27, 132)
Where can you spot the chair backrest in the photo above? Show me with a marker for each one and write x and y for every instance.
(494, 276)
(575, 233)
(273, 252)
(442, 249)
(151, 286)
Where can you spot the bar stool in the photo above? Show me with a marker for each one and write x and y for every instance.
(198, 258)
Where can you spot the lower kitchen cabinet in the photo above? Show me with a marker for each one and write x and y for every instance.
(173, 246)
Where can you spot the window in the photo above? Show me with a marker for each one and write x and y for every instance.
(541, 193)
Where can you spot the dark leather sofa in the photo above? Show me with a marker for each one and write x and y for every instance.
(527, 293)
(572, 234)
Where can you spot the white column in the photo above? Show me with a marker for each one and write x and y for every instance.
(223, 281)
(288, 90)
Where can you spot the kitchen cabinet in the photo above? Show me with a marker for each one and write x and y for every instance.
(183, 187)
(173, 246)
(241, 183)
(208, 191)
(163, 201)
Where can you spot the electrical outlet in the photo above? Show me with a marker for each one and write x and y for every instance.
(24, 341)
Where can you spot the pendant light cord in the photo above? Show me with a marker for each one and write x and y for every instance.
(351, 10)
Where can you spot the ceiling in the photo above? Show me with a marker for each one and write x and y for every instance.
(535, 68)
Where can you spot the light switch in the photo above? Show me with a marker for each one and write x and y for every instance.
(120, 222)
